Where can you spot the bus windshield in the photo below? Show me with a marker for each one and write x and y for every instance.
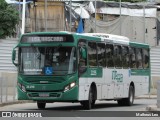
(47, 60)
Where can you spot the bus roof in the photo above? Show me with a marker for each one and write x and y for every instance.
(110, 38)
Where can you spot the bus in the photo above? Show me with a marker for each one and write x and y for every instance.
(72, 67)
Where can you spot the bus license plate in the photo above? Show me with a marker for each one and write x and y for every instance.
(43, 94)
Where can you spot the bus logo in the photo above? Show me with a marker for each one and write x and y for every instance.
(117, 76)
(93, 72)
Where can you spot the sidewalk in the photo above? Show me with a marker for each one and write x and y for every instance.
(149, 107)
(9, 100)
(152, 108)
(146, 97)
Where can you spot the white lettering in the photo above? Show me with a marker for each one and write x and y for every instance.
(32, 70)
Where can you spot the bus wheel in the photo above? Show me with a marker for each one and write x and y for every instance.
(41, 105)
(129, 101)
(88, 104)
(121, 102)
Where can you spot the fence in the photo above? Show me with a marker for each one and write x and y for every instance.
(8, 92)
(8, 72)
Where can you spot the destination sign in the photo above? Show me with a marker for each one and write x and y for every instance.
(46, 38)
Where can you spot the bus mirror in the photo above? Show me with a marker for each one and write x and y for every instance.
(83, 53)
(14, 55)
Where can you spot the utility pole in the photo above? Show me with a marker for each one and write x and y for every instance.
(120, 12)
(45, 15)
(95, 15)
(70, 24)
(23, 16)
(144, 23)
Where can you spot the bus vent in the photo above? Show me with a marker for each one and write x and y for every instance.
(45, 81)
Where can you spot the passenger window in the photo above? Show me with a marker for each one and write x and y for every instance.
(117, 56)
(109, 55)
(125, 57)
(132, 58)
(92, 54)
(101, 54)
(146, 58)
(139, 57)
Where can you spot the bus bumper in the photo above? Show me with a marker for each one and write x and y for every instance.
(70, 95)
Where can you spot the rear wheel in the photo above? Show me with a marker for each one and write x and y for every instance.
(41, 105)
(121, 102)
(129, 100)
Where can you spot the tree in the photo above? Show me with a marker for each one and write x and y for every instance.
(8, 19)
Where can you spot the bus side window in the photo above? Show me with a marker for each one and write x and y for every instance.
(125, 57)
(145, 58)
(109, 55)
(139, 57)
(117, 56)
(101, 54)
(132, 56)
(82, 61)
(92, 54)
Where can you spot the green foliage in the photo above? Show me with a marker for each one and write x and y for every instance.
(126, 0)
(8, 19)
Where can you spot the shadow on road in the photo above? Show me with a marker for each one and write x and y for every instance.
(72, 107)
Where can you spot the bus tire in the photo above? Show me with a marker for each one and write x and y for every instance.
(129, 101)
(121, 102)
(41, 105)
(88, 104)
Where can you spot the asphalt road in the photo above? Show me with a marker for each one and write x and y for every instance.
(139, 105)
(72, 108)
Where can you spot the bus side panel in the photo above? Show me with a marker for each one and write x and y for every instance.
(141, 81)
(83, 89)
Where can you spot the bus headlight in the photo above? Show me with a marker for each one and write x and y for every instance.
(22, 87)
(72, 84)
(68, 87)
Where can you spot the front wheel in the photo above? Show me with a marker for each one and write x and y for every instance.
(88, 104)
(41, 105)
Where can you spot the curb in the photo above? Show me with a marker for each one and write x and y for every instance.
(152, 108)
(147, 97)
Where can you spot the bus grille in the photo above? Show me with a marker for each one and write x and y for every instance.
(56, 95)
(45, 81)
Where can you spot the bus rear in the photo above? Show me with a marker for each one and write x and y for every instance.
(47, 68)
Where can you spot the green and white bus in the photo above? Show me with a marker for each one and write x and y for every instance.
(72, 67)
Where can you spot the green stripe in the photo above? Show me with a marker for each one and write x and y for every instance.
(138, 45)
(142, 72)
